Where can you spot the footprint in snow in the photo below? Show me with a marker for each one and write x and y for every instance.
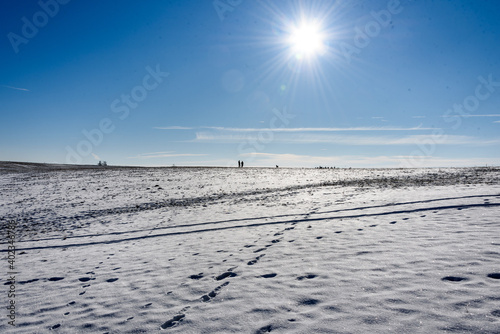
(309, 301)
(200, 275)
(494, 275)
(251, 263)
(173, 322)
(213, 293)
(84, 279)
(111, 280)
(55, 279)
(265, 329)
(24, 282)
(454, 279)
(309, 276)
(363, 253)
(225, 275)
(269, 275)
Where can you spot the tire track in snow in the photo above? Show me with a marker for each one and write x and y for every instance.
(143, 237)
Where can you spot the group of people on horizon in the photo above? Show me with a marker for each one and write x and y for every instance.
(240, 163)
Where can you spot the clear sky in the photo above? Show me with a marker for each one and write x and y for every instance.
(289, 83)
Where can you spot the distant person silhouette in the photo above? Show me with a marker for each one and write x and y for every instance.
(239, 164)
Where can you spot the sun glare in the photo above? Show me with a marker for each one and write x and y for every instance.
(306, 40)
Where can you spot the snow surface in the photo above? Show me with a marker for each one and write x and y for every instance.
(227, 250)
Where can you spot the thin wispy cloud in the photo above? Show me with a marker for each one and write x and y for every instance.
(168, 154)
(318, 129)
(348, 140)
(173, 128)
(288, 159)
(193, 163)
(466, 116)
(16, 88)
(325, 129)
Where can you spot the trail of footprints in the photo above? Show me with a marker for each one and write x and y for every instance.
(278, 237)
(178, 318)
(90, 276)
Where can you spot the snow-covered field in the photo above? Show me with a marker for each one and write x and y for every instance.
(227, 250)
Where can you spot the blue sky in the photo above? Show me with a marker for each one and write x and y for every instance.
(391, 84)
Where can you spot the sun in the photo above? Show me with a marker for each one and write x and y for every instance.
(306, 40)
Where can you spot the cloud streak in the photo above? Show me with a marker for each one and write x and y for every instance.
(168, 154)
(173, 128)
(348, 139)
(230, 129)
(466, 116)
(16, 88)
(287, 159)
